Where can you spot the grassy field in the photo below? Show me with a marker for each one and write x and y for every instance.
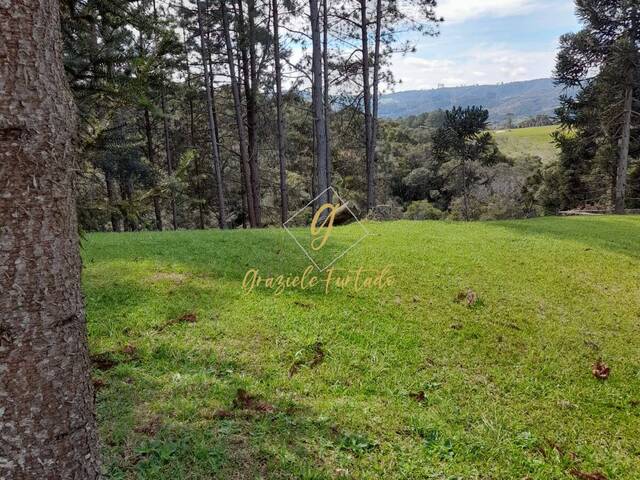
(528, 141)
(198, 380)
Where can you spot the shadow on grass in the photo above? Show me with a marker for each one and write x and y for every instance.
(177, 413)
(615, 234)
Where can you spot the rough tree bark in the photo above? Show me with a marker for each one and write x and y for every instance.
(215, 160)
(317, 106)
(47, 427)
(623, 158)
(237, 104)
(282, 161)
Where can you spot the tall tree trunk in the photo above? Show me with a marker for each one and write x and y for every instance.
(375, 100)
(237, 104)
(367, 104)
(248, 54)
(623, 158)
(167, 148)
(151, 157)
(317, 106)
(327, 104)
(48, 427)
(215, 160)
(284, 193)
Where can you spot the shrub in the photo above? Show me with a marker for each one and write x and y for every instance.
(422, 210)
(456, 209)
(382, 213)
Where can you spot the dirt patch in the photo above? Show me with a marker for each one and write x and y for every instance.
(103, 361)
(245, 401)
(189, 317)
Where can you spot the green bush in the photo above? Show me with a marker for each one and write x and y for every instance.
(422, 210)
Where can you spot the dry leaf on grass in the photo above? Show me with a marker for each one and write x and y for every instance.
(600, 370)
(419, 397)
(468, 298)
(587, 476)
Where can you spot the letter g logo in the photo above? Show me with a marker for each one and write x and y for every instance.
(319, 241)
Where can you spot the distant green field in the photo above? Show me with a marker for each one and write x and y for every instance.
(404, 383)
(528, 141)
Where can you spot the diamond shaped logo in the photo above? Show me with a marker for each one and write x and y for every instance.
(314, 233)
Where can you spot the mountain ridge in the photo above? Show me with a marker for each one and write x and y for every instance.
(523, 99)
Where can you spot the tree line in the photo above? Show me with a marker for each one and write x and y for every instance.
(238, 110)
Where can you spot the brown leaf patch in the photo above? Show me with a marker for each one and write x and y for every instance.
(468, 298)
(419, 397)
(587, 476)
(151, 427)
(600, 370)
(303, 304)
(313, 357)
(245, 401)
(130, 350)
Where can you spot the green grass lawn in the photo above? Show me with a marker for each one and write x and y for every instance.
(520, 142)
(403, 383)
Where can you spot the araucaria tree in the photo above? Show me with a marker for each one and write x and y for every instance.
(48, 426)
(462, 145)
(603, 61)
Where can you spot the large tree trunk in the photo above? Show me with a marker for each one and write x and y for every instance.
(284, 193)
(48, 427)
(623, 158)
(318, 107)
(237, 104)
(215, 160)
(367, 104)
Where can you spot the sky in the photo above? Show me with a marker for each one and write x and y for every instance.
(486, 42)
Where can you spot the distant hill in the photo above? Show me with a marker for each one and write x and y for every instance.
(522, 99)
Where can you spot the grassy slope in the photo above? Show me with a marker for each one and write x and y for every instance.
(509, 390)
(528, 141)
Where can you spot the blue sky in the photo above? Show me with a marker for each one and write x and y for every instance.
(486, 42)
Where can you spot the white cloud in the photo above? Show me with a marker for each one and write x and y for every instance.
(483, 64)
(456, 11)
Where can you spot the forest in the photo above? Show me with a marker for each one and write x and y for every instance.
(197, 115)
